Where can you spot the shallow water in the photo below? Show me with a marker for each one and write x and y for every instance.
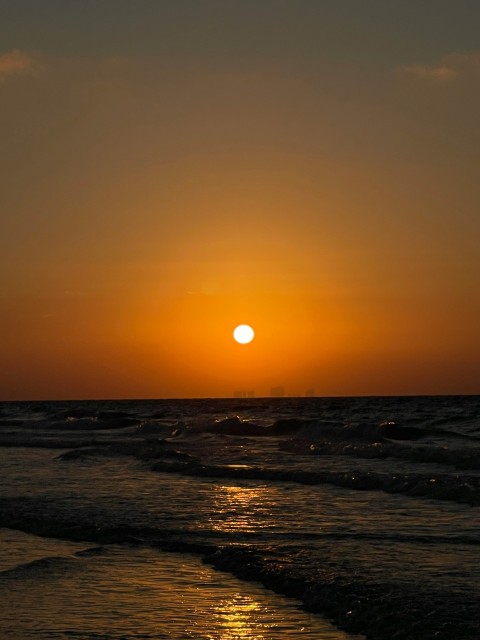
(366, 510)
(122, 592)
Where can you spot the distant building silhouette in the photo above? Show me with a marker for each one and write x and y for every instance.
(310, 393)
(243, 394)
(277, 392)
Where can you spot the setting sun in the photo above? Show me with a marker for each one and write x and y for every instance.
(243, 334)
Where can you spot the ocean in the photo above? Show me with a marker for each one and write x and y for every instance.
(253, 519)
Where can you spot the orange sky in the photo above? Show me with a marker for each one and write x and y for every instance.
(155, 198)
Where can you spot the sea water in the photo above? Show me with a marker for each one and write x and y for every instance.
(162, 519)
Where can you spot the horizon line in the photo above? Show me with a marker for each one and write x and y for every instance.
(254, 398)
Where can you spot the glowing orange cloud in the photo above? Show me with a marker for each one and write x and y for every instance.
(14, 62)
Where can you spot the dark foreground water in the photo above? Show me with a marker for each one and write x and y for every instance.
(162, 519)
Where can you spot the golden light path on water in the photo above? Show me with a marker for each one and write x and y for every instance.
(237, 616)
(242, 509)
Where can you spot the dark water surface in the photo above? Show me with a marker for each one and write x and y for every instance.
(366, 511)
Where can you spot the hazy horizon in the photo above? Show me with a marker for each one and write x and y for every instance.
(233, 398)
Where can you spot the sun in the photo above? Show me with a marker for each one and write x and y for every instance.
(243, 334)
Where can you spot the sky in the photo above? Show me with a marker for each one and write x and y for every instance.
(171, 169)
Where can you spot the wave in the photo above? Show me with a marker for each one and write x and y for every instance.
(380, 610)
(163, 456)
(27, 515)
(456, 488)
(39, 566)
(458, 458)
(308, 428)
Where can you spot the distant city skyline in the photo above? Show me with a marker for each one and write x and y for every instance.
(275, 392)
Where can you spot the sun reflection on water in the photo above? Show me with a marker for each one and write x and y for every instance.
(239, 617)
(241, 509)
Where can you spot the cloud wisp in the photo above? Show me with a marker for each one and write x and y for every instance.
(449, 68)
(15, 62)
